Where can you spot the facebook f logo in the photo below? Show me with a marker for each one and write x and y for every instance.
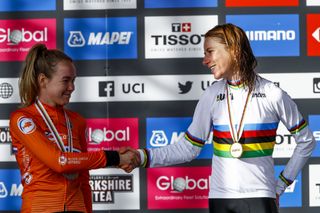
(106, 88)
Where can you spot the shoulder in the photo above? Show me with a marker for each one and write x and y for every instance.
(23, 112)
(215, 88)
(272, 90)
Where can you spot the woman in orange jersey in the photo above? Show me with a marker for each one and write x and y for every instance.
(50, 140)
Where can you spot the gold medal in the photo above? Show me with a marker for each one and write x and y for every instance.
(236, 150)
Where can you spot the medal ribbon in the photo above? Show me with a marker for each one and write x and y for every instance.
(236, 137)
(53, 129)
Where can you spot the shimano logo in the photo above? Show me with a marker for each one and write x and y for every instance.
(271, 35)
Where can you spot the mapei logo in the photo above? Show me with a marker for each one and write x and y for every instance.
(270, 35)
(159, 138)
(10, 190)
(313, 35)
(176, 36)
(101, 38)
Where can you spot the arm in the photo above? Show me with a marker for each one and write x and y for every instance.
(34, 140)
(290, 116)
(189, 147)
(84, 176)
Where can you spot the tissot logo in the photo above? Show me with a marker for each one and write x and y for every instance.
(185, 88)
(176, 36)
(181, 27)
(106, 89)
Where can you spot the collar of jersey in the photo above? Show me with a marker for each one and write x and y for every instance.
(238, 84)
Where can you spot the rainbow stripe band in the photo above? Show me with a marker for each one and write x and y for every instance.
(193, 140)
(285, 180)
(299, 127)
(249, 150)
(146, 162)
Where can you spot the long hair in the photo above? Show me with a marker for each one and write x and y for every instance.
(39, 60)
(238, 45)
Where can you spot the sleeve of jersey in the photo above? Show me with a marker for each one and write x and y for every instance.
(25, 130)
(189, 146)
(84, 175)
(290, 116)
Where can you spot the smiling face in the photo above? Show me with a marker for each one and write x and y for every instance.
(218, 59)
(56, 91)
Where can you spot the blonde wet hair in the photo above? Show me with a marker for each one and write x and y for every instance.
(238, 45)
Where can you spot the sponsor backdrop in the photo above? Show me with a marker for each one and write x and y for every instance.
(140, 76)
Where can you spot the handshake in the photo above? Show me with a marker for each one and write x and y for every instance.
(129, 159)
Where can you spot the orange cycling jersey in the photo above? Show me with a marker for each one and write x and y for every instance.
(45, 168)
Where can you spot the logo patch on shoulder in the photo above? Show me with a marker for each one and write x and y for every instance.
(26, 125)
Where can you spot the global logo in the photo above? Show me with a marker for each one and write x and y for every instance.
(6, 90)
(16, 36)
